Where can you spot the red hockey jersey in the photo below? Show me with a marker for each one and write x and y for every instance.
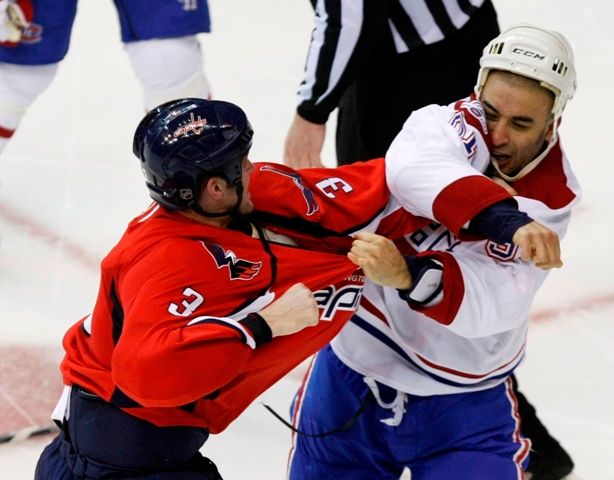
(163, 341)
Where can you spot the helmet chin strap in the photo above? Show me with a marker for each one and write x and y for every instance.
(529, 166)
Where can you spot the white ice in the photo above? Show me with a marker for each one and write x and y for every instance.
(69, 185)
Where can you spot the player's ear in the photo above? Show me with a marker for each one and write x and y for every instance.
(214, 187)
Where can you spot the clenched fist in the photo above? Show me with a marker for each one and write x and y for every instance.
(381, 261)
(539, 244)
(293, 311)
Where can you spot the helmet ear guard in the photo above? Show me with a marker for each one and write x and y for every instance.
(538, 53)
(177, 193)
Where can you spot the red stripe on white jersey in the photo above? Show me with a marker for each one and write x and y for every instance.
(373, 310)
(459, 373)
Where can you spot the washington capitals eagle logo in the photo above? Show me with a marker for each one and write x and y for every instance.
(238, 268)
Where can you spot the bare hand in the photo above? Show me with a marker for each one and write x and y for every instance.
(539, 244)
(381, 260)
(304, 144)
(293, 311)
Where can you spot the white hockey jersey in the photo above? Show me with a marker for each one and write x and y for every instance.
(476, 335)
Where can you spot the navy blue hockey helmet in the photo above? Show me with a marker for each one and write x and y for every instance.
(182, 142)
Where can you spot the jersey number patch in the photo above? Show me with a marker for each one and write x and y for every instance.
(503, 252)
(189, 305)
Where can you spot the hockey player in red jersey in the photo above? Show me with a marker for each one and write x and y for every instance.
(197, 312)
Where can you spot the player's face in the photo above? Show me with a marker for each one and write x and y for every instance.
(519, 121)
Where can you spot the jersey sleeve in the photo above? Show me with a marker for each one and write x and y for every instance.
(325, 201)
(179, 341)
(434, 166)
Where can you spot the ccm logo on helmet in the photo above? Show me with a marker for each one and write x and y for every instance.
(528, 53)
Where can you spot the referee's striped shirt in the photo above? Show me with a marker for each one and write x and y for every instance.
(347, 31)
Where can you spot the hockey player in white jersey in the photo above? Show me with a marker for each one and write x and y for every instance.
(426, 361)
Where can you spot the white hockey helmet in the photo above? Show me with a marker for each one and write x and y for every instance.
(534, 52)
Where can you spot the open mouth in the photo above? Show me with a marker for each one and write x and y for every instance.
(502, 159)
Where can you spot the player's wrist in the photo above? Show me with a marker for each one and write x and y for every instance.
(258, 326)
(404, 281)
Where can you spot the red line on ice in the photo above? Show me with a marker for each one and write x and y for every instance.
(46, 235)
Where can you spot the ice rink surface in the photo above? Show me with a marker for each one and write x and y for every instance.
(69, 184)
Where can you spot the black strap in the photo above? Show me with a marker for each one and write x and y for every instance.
(340, 429)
